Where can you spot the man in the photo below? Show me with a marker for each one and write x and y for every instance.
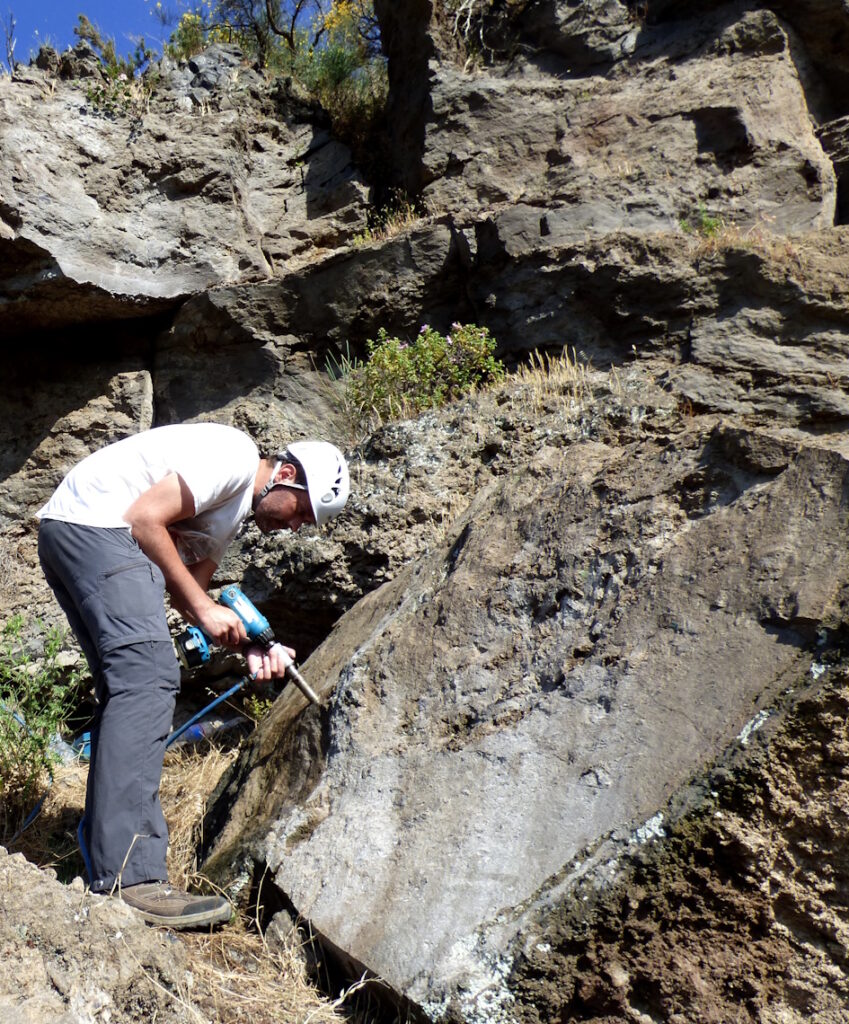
(156, 512)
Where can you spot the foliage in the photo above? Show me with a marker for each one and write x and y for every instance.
(257, 707)
(702, 223)
(243, 22)
(331, 46)
(351, 91)
(105, 49)
(118, 91)
(276, 33)
(35, 702)
(188, 38)
(113, 95)
(400, 378)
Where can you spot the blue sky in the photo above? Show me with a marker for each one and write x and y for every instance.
(54, 20)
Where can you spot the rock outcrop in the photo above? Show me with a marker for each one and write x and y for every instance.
(581, 637)
(621, 120)
(70, 956)
(121, 210)
(467, 779)
(624, 594)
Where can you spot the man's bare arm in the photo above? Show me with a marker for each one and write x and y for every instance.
(149, 517)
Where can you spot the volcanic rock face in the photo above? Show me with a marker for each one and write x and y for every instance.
(581, 637)
(627, 123)
(107, 216)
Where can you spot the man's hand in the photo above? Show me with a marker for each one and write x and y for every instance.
(222, 625)
(269, 664)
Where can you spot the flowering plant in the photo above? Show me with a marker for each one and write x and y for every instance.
(401, 378)
(112, 95)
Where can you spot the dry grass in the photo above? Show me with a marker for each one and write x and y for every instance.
(235, 975)
(189, 777)
(51, 840)
(548, 382)
(398, 216)
(758, 238)
(238, 978)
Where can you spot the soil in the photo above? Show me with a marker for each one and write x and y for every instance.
(741, 913)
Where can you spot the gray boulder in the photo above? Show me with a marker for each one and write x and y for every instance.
(607, 615)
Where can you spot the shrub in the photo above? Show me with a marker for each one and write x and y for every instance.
(35, 703)
(340, 64)
(332, 49)
(401, 378)
(188, 38)
(702, 223)
(121, 89)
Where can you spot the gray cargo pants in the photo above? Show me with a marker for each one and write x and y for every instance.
(113, 596)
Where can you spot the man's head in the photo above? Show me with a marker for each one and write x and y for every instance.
(309, 483)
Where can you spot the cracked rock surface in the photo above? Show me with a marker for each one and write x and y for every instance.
(582, 636)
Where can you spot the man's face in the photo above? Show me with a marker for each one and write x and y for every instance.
(283, 508)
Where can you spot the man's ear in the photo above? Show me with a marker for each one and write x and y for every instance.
(286, 474)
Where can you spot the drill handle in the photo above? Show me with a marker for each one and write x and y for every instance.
(297, 678)
(256, 625)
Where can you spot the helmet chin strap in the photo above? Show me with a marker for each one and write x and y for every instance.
(270, 483)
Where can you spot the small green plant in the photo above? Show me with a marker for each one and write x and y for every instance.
(36, 699)
(121, 89)
(702, 223)
(401, 378)
(113, 95)
(257, 707)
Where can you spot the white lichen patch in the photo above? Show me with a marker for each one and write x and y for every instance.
(482, 995)
(651, 829)
(752, 726)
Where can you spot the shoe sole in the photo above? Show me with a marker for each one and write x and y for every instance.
(199, 920)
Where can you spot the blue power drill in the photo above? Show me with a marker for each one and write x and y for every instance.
(194, 646)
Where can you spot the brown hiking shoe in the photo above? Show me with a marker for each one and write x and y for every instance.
(158, 903)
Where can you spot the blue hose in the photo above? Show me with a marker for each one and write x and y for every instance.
(33, 814)
(218, 700)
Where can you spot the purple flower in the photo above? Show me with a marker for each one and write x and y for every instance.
(448, 339)
(423, 328)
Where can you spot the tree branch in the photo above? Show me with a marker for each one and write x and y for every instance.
(9, 32)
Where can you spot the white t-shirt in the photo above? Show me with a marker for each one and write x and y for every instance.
(217, 463)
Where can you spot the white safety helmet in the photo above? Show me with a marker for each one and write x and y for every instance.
(328, 482)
